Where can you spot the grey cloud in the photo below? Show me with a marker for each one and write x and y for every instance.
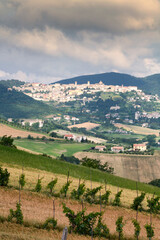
(114, 16)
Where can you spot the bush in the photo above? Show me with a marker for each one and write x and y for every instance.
(149, 230)
(17, 214)
(4, 177)
(22, 181)
(96, 164)
(7, 141)
(90, 195)
(119, 226)
(137, 228)
(86, 224)
(49, 224)
(155, 182)
(38, 187)
(76, 194)
(137, 203)
(105, 197)
(52, 184)
(65, 188)
(153, 204)
(117, 200)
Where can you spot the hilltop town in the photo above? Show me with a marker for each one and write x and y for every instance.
(69, 92)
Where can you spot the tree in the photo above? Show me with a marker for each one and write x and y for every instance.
(151, 140)
(4, 177)
(7, 141)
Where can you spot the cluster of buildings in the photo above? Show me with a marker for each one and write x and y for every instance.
(75, 138)
(139, 115)
(117, 149)
(69, 92)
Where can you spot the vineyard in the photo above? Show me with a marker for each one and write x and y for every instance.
(85, 208)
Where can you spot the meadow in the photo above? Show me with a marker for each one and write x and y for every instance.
(53, 148)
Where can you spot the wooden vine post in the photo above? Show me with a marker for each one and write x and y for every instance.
(65, 233)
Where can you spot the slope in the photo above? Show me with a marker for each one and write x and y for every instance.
(18, 105)
(149, 84)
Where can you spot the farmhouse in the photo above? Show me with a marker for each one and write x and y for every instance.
(139, 147)
(117, 149)
(68, 136)
(100, 148)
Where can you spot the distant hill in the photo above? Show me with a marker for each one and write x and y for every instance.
(11, 83)
(149, 84)
(15, 104)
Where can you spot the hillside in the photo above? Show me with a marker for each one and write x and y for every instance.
(21, 158)
(18, 105)
(37, 207)
(149, 84)
(138, 168)
(11, 83)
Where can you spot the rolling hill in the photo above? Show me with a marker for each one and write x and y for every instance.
(149, 84)
(18, 105)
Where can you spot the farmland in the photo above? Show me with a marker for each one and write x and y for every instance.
(15, 132)
(137, 129)
(87, 125)
(53, 148)
(37, 207)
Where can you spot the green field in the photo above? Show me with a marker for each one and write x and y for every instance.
(13, 157)
(55, 148)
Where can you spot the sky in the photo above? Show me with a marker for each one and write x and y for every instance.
(48, 40)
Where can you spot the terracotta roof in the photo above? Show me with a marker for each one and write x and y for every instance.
(139, 145)
(68, 135)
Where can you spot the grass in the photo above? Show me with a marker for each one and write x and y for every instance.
(21, 158)
(53, 148)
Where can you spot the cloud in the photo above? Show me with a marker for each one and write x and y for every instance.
(40, 39)
(55, 43)
(19, 75)
(114, 16)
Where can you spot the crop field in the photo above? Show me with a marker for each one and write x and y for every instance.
(87, 125)
(137, 129)
(53, 148)
(14, 132)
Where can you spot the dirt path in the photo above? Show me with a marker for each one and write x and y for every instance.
(38, 207)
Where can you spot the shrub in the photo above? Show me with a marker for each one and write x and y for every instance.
(38, 187)
(96, 164)
(52, 184)
(50, 223)
(7, 141)
(101, 230)
(105, 197)
(137, 202)
(149, 231)
(117, 200)
(22, 181)
(155, 182)
(17, 214)
(137, 228)
(86, 224)
(90, 195)
(65, 188)
(153, 205)
(119, 226)
(76, 194)
(4, 177)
